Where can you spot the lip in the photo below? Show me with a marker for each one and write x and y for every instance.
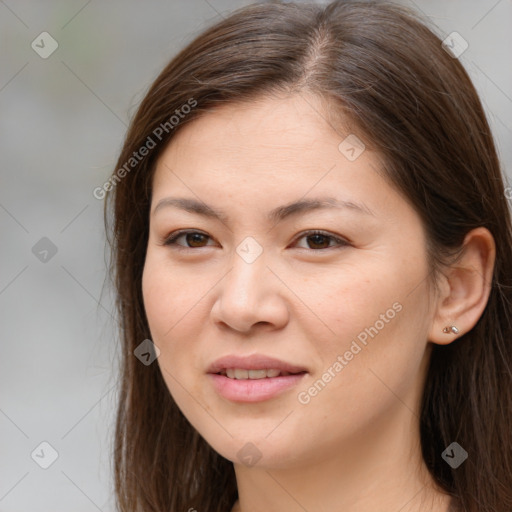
(253, 362)
(253, 390)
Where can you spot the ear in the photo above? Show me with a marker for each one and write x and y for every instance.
(464, 288)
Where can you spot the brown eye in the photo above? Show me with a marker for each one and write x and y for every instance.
(318, 240)
(193, 239)
(314, 241)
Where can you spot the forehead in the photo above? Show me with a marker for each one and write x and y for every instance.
(272, 137)
(273, 124)
(268, 153)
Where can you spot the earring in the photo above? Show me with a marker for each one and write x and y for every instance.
(452, 328)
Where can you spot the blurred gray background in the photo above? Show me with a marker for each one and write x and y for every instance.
(63, 116)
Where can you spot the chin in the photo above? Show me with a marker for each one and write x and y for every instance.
(255, 451)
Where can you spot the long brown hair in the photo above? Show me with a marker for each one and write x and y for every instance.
(385, 72)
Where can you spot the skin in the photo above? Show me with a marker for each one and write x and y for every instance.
(355, 445)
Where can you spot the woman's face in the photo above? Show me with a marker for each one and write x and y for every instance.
(345, 311)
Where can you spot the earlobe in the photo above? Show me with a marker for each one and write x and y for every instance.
(467, 285)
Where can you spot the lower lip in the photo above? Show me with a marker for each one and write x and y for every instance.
(253, 390)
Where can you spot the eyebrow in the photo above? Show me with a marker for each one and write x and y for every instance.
(277, 214)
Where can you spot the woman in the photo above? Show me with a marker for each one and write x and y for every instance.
(312, 251)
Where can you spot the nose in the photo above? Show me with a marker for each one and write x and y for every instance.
(250, 295)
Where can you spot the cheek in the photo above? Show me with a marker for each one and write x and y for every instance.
(349, 302)
(175, 305)
(157, 296)
(377, 353)
(169, 297)
(169, 304)
(373, 316)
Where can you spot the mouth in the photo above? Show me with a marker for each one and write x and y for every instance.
(253, 366)
(244, 374)
(253, 378)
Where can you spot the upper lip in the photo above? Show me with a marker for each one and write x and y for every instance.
(253, 362)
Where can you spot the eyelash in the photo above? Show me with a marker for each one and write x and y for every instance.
(171, 239)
